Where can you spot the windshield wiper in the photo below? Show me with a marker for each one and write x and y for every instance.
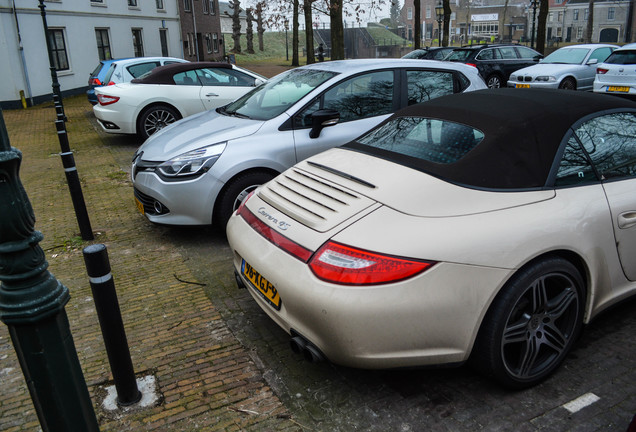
(222, 110)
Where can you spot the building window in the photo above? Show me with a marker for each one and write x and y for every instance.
(212, 8)
(560, 17)
(551, 16)
(208, 42)
(611, 13)
(579, 32)
(428, 11)
(206, 6)
(586, 14)
(138, 43)
(559, 31)
(58, 49)
(160, 5)
(103, 44)
(187, 5)
(409, 14)
(163, 37)
(215, 40)
(190, 45)
(132, 3)
(575, 14)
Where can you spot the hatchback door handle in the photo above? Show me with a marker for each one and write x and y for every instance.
(627, 219)
(211, 94)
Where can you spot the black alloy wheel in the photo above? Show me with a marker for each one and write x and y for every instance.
(235, 192)
(532, 324)
(156, 118)
(568, 84)
(494, 81)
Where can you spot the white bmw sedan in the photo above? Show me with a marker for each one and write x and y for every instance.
(197, 171)
(487, 226)
(168, 93)
(571, 67)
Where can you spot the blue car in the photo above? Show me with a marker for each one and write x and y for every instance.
(96, 79)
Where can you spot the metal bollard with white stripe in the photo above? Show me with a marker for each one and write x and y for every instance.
(72, 178)
(111, 323)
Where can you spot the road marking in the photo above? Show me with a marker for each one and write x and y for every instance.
(581, 402)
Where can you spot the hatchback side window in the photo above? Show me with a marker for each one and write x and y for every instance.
(526, 53)
(610, 140)
(426, 85)
(507, 53)
(139, 69)
(488, 54)
(359, 97)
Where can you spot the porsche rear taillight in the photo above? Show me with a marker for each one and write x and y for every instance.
(346, 265)
(276, 238)
(106, 99)
(601, 71)
(95, 82)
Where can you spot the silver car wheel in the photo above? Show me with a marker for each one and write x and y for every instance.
(156, 118)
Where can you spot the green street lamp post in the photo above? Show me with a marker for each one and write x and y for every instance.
(32, 305)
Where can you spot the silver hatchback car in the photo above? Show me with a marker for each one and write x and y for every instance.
(198, 170)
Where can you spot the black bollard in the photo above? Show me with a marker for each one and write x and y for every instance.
(109, 314)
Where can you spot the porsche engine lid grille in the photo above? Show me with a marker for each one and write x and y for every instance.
(311, 200)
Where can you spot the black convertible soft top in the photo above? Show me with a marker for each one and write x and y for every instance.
(164, 74)
(523, 129)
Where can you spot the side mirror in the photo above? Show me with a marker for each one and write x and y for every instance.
(321, 119)
(592, 61)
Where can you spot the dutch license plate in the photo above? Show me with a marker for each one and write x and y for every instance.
(262, 285)
(139, 205)
(619, 89)
(522, 85)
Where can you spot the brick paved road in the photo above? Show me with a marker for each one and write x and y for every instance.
(219, 321)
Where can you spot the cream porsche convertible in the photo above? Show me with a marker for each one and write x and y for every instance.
(486, 226)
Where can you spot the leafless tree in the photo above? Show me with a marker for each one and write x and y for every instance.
(249, 33)
(235, 6)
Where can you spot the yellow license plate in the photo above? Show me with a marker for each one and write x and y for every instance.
(262, 285)
(522, 85)
(619, 89)
(139, 205)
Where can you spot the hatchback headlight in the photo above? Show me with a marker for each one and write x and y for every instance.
(192, 163)
(545, 78)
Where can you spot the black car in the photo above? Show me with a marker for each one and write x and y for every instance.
(432, 53)
(497, 61)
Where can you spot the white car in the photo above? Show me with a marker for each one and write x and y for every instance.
(197, 171)
(617, 74)
(169, 93)
(572, 67)
(488, 225)
(110, 72)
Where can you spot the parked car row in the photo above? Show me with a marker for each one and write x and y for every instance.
(399, 213)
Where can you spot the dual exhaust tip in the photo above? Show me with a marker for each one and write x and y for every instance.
(298, 344)
(309, 351)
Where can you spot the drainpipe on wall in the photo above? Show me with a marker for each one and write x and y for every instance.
(21, 49)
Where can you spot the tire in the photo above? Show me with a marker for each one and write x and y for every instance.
(532, 324)
(568, 84)
(235, 192)
(493, 81)
(155, 118)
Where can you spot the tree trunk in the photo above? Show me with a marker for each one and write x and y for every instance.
(543, 18)
(447, 17)
(295, 60)
(309, 32)
(337, 30)
(236, 25)
(417, 24)
(260, 29)
(590, 22)
(249, 33)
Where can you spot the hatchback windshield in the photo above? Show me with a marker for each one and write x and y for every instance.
(622, 57)
(432, 140)
(277, 95)
(567, 56)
